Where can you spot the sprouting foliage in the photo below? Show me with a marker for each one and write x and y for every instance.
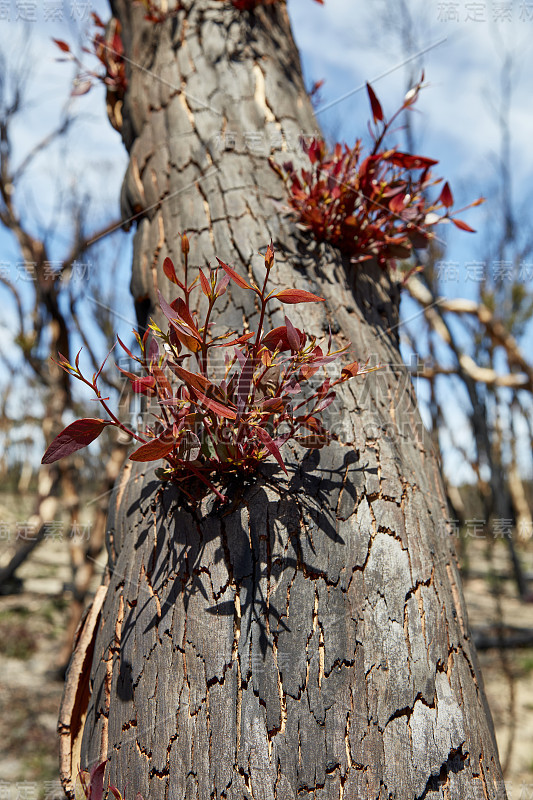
(371, 205)
(107, 46)
(207, 429)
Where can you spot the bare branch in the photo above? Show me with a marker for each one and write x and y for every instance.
(61, 130)
(495, 329)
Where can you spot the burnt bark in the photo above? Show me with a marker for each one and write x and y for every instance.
(310, 639)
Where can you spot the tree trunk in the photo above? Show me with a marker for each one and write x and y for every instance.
(310, 639)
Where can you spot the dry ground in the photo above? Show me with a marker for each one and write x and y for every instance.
(32, 624)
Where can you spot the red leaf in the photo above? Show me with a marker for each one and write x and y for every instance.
(172, 315)
(144, 386)
(63, 360)
(446, 196)
(96, 786)
(377, 111)
(409, 161)
(115, 792)
(97, 20)
(320, 361)
(327, 401)
(75, 436)
(314, 424)
(206, 286)
(242, 339)
(81, 87)
(234, 275)
(317, 84)
(397, 203)
(153, 351)
(276, 338)
(323, 389)
(293, 296)
(462, 225)
(140, 385)
(193, 343)
(180, 307)
(271, 447)
(155, 448)
(274, 404)
(269, 257)
(245, 381)
(192, 379)
(292, 335)
(311, 149)
(121, 343)
(222, 285)
(213, 405)
(166, 308)
(162, 380)
(62, 45)
(350, 370)
(307, 371)
(169, 270)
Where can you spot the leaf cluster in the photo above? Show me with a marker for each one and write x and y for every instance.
(108, 48)
(272, 388)
(371, 205)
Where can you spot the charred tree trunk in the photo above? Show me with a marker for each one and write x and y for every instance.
(309, 640)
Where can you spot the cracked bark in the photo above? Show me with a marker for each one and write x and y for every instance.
(311, 639)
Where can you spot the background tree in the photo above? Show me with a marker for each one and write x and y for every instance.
(45, 286)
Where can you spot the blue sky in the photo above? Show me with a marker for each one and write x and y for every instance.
(460, 44)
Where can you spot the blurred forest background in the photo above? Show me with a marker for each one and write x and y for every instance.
(467, 334)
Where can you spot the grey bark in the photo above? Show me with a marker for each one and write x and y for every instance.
(311, 639)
